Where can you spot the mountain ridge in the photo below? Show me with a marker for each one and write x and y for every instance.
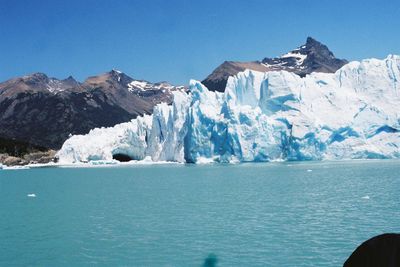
(44, 111)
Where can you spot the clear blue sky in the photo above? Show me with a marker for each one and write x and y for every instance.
(178, 40)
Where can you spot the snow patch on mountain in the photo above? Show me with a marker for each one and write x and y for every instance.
(350, 114)
(141, 85)
(144, 85)
(297, 55)
(55, 86)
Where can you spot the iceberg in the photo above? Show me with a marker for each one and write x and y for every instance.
(350, 114)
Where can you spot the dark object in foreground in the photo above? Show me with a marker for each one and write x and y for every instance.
(210, 261)
(380, 251)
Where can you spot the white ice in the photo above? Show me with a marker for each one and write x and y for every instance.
(351, 114)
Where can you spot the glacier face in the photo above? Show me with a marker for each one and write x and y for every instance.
(353, 113)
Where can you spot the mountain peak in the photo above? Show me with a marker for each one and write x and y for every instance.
(37, 76)
(115, 72)
(70, 81)
(313, 56)
(36, 80)
(119, 77)
(311, 46)
(112, 76)
(311, 41)
(317, 51)
(69, 78)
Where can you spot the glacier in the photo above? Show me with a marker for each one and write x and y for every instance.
(272, 116)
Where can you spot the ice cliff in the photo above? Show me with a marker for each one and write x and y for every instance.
(351, 114)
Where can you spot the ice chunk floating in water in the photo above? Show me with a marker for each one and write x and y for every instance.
(276, 115)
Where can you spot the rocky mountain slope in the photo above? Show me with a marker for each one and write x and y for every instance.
(310, 57)
(44, 111)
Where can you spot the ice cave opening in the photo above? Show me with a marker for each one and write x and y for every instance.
(122, 157)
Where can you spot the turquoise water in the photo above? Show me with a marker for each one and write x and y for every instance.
(273, 214)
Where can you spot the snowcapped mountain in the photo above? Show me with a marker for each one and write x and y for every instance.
(44, 111)
(263, 116)
(310, 57)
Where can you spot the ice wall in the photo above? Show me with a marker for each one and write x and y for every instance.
(353, 113)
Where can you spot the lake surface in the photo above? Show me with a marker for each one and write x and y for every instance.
(269, 214)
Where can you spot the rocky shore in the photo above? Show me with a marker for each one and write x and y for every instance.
(38, 157)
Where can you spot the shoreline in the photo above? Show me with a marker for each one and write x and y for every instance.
(115, 164)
